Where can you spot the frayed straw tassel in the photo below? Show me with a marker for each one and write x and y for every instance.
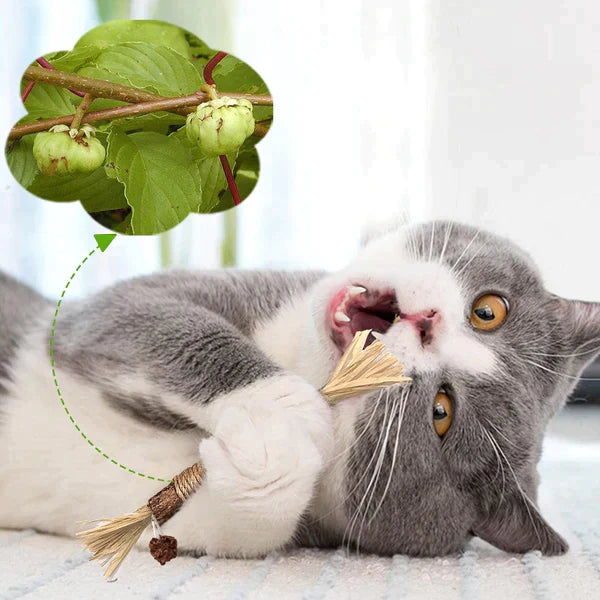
(360, 370)
(112, 541)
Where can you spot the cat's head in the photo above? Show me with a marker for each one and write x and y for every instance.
(492, 356)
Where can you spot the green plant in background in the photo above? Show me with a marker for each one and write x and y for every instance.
(139, 81)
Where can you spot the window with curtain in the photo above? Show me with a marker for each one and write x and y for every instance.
(382, 108)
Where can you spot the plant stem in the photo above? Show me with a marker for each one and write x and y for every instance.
(114, 91)
(230, 180)
(81, 109)
(208, 70)
(187, 103)
(210, 65)
(27, 91)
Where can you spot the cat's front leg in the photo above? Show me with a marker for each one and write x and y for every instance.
(269, 442)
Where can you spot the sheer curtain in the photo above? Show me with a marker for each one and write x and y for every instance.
(487, 113)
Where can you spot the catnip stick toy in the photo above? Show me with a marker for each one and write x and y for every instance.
(360, 370)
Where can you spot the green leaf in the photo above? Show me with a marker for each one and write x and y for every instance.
(95, 190)
(162, 182)
(154, 68)
(198, 49)
(234, 75)
(160, 122)
(157, 33)
(117, 220)
(75, 59)
(49, 101)
(22, 164)
(214, 182)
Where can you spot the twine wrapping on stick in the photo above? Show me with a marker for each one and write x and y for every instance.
(360, 370)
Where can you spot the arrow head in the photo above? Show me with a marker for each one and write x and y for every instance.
(104, 240)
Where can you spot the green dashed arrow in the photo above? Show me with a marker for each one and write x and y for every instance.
(103, 240)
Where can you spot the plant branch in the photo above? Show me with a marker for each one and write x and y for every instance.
(100, 88)
(182, 105)
(44, 63)
(80, 111)
(235, 194)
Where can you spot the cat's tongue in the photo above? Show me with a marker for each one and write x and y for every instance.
(360, 321)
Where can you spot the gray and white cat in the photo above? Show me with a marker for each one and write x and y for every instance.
(225, 366)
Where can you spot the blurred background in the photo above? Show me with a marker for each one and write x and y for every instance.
(485, 112)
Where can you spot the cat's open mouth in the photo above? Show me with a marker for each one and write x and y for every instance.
(356, 308)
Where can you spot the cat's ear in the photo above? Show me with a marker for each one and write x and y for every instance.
(515, 525)
(582, 321)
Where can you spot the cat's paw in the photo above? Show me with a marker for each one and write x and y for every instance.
(268, 446)
(287, 399)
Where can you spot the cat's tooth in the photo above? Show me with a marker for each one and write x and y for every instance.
(355, 290)
(377, 335)
(341, 317)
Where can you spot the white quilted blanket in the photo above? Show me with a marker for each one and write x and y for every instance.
(42, 567)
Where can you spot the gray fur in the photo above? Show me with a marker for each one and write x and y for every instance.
(149, 410)
(188, 333)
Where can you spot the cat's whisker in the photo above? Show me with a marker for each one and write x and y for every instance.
(422, 244)
(350, 526)
(465, 250)
(527, 500)
(465, 266)
(401, 410)
(411, 243)
(356, 486)
(559, 373)
(405, 392)
(446, 240)
(499, 432)
(572, 354)
(360, 510)
(431, 242)
(500, 468)
(380, 444)
(379, 467)
(362, 433)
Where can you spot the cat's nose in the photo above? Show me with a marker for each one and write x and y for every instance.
(425, 322)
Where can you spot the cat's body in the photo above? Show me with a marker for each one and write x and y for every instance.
(151, 368)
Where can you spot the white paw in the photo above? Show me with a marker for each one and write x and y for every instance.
(268, 446)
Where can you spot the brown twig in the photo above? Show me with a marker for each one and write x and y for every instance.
(44, 63)
(187, 104)
(81, 110)
(115, 91)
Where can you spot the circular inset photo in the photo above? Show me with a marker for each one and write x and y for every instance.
(143, 123)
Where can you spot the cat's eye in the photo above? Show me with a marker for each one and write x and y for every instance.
(442, 413)
(489, 311)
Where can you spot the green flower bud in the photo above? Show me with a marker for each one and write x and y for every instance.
(61, 150)
(220, 126)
